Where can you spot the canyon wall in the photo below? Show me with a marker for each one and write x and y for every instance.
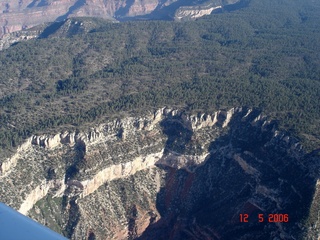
(20, 15)
(169, 174)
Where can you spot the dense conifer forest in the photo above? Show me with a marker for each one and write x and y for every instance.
(265, 56)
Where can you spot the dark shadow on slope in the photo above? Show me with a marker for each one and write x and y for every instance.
(123, 11)
(160, 13)
(178, 135)
(73, 219)
(32, 4)
(51, 29)
(38, 3)
(92, 236)
(78, 161)
(250, 170)
(168, 12)
(131, 218)
(77, 5)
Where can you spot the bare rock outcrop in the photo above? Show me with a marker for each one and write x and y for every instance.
(20, 15)
(193, 13)
(200, 10)
(136, 170)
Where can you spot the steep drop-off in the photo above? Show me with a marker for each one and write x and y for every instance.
(169, 174)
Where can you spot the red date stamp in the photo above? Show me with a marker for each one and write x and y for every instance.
(271, 218)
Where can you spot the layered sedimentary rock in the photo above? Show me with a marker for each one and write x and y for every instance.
(205, 8)
(167, 174)
(19, 15)
(193, 13)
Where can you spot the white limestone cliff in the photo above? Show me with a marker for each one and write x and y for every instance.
(106, 136)
(40, 192)
(11, 162)
(119, 171)
(193, 13)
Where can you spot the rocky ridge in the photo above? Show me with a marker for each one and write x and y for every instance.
(63, 180)
(8, 39)
(206, 8)
(113, 131)
(193, 12)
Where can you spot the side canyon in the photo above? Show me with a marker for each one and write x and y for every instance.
(168, 174)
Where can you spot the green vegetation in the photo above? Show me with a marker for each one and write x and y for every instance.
(264, 56)
(49, 206)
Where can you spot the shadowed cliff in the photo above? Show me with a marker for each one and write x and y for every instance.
(249, 171)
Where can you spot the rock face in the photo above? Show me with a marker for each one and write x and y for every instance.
(8, 39)
(167, 174)
(19, 15)
(192, 12)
